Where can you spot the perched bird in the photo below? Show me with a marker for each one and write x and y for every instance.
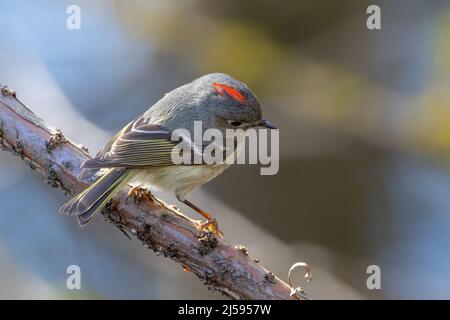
(140, 153)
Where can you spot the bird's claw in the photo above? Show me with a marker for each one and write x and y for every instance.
(138, 193)
(211, 226)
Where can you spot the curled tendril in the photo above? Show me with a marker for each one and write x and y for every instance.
(299, 292)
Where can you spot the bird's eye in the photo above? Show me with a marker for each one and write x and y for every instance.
(235, 123)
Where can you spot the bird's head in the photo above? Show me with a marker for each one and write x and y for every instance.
(217, 100)
(227, 103)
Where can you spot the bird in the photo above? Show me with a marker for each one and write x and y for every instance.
(141, 153)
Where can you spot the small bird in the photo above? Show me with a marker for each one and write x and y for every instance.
(140, 153)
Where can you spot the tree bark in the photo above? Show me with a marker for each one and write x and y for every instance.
(218, 264)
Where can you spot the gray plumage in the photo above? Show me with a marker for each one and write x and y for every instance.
(140, 154)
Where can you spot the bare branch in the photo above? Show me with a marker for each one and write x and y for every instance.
(218, 264)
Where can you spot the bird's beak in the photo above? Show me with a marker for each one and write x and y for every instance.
(265, 123)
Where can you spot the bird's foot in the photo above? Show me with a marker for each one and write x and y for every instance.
(211, 226)
(138, 193)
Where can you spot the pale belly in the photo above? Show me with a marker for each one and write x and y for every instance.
(178, 179)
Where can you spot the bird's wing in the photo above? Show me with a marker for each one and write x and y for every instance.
(139, 144)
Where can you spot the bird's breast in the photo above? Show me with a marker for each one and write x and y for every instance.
(178, 178)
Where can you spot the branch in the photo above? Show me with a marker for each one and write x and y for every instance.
(218, 264)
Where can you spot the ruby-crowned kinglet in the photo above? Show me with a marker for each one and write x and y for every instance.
(140, 153)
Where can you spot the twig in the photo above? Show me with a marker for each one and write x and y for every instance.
(218, 264)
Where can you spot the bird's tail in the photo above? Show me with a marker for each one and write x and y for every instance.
(89, 202)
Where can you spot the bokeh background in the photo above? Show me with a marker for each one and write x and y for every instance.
(365, 138)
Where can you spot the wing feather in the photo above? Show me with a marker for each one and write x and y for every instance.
(139, 144)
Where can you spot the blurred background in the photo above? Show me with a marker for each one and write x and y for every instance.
(365, 140)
